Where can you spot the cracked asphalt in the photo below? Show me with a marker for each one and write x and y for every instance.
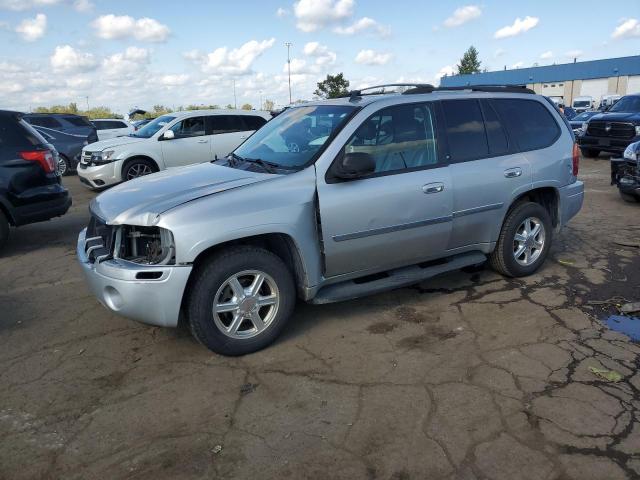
(466, 376)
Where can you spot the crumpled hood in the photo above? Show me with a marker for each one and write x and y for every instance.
(113, 143)
(142, 200)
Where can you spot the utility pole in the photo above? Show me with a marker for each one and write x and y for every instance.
(288, 45)
(235, 101)
(87, 102)
(261, 101)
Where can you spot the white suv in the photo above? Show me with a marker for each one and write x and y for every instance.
(172, 140)
(111, 128)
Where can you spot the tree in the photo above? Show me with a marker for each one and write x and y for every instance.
(229, 106)
(332, 87)
(469, 62)
(269, 105)
(247, 106)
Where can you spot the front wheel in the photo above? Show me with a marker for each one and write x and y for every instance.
(64, 166)
(138, 167)
(524, 241)
(241, 300)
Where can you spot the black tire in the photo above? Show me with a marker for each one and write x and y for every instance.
(629, 198)
(590, 152)
(64, 169)
(502, 259)
(213, 274)
(4, 229)
(136, 164)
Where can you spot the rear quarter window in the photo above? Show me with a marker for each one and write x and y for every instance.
(47, 122)
(78, 121)
(530, 123)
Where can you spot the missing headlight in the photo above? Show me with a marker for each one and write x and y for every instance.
(145, 245)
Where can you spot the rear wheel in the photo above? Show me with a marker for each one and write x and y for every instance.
(4, 229)
(241, 300)
(524, 241)
(137, 167)
(629, 198)
(590, 152)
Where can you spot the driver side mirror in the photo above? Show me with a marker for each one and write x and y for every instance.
(168, 135)
(354, 165)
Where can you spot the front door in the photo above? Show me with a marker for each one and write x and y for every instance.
(400, 214)
(229, 131)
(190, 144)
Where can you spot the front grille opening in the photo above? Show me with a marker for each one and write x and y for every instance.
(148, 275)
(145, 245)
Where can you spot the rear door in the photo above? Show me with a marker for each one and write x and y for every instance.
(191, 143)
(487, 170)
(399, 215)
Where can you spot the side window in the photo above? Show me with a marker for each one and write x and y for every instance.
(100, 125)
(118, 125)
(252, 122)
(17, 134)
(227, 124)
(530, 124)
(496, 133)
(398, 138)
(465, 130)
(189, 127)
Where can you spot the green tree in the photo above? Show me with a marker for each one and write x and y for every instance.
(229, 106)
(469, 63)
(269, 105)
(247, 106)
(333, 86)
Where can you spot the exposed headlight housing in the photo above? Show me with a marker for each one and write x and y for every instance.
(637, 130)
(145, 245)
(100, 158)
(632, 152)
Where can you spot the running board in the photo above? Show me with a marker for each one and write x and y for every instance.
(392, 279)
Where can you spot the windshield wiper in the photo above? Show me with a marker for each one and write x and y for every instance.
(231, 159)
(267, 166)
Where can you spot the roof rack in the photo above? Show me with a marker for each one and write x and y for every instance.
(474, 88)
(358, 93)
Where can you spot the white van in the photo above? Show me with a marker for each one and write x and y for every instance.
(112, 127)
(582, 104)
(171, 140)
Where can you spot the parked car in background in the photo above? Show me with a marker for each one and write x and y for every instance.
(138, 124)
(334, 200)
(68, 146)
(110, 128)
(579, 122)
(64, 122)
(30, 187)
(582, 104)
(613, 130)
(172, 140)
(625, 173)
(569, 113)
(607, 101)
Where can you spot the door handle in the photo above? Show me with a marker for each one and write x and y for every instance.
(203, 141)
(513, 172)
(433, 187)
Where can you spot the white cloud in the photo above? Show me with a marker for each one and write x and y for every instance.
(574, 53)
(323, 56)
(234, 62)
(463, 15)
(282, 12)
(83, 5)
(371, 57)
(65, 58)
(546, 55)
(519, 26)
(446, 70)
(517, 65)
(18, 5)
(499, 53)
(628, 28)
(31, 29)
(364, 24)
(123, 26)
(79, 82)
(173, 80)
(125, 63)
(312, 15)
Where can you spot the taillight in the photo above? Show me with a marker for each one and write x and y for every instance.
(576, 159)
(43, 157)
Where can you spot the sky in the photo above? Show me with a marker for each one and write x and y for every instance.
(125, 54)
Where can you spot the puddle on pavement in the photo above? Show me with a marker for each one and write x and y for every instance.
(630, 326)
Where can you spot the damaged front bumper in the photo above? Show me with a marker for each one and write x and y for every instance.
(147, 293)
(625, 174)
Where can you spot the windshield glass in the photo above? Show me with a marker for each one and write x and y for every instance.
(295, 136)
(581, 103)
(151, 128)
(627, 104)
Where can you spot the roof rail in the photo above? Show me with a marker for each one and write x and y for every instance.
(473, 88)
(358, 93)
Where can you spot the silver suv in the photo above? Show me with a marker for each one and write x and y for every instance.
(333, 200)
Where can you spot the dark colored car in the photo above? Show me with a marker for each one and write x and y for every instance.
(569, 113)
(577, 121)
(625, 173)
(30, 187)
(68, 146)
(64, 122)
(613, 130)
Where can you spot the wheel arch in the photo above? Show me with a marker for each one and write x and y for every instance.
(131, 158)
(547, 196)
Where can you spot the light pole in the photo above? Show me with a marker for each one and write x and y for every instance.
(87, 102)
(288, 45)
(261, 100)
(235, 101)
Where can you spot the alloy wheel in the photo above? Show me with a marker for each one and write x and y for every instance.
(138, 170)
(528, 242)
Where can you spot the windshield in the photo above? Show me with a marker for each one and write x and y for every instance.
(627, 104)
(151, 128)
(581, 103)
(294, 137)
